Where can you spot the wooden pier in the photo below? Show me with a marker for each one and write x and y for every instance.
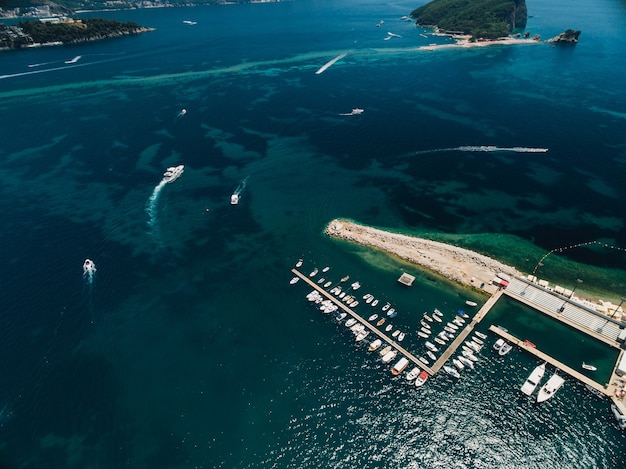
(365, 322)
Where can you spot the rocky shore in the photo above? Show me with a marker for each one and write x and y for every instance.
(461, 265)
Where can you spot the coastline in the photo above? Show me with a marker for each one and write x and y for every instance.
(464, 43)
(461, 265)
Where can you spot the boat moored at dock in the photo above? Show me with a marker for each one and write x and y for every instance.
(549, 389)
(533, 379)
(399, 366)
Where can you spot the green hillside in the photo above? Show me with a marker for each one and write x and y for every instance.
(488, 19)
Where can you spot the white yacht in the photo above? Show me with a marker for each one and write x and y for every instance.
(533, 380)
(389, 356)
(388, 328)
(481, 335)
(173, 172)
(621, 418)
(467, 353)
(414, 373)
(432, 347)
(375, 302)
(506, 348)
(400, 366)
(294, 280)
(328, 284)
(423, 335)
(89, 268)
(374, 345)
(313, 273)
(401, 336)
(385, 351)
(451, 371)
(456, 362)
(550, 388)
(74, 60)
(234, 199)
(362, 335)
(473, 345)
(299, 263)
(396, 333)
(589, 367)
(387, 306)
(325, 269)
(373, 317)
(421, 379)
(499, 343)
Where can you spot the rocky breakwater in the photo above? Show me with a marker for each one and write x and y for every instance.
(455, 263)
(568, 37)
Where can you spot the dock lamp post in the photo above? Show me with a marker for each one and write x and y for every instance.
(618, 307)
(578, 282)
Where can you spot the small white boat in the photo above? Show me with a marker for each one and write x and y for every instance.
(356, 285)
(74, 60)
(589, 367)
(443, 336)
(457, 322)
(391, 311)
(506, 348)
(189, 22)
(471, 303)
(386, 307)
(460, 319)
(345, 279)
(401, 336)
(425, 324)
(432, 347)
(381, 322)
(437, 318)
(431, 355)
(436, 312)
(456, 362)
(354, 304)
(499, 343)
(422, 335)
(350, 322)
(341, 316)
(389, 356)
(466, 361)
(477, 340)
(342, 294)
(421, 379)
(294, 280)
(423, 360)
(428, 318)
(234, 199)
(472, 345)
(388, 328)
(367, 296)
(299, 263)
(451, 371)
(362, 335)
(533, 379)
(396, 333)
(374, 345)
(374, 303)
(313, 273)
(369, 300)
(549, 389)
(385, 350)
(469, 355)
(328, 284)
(399, 366)
(449, 330)
(414, 373)
(439, 341)
(321, 280)
(621, 418)
(481, 335)
(373, 317)
(325, 269)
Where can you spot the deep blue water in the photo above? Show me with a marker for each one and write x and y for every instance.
(189, 348)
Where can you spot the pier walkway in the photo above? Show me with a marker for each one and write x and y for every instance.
(365, 322)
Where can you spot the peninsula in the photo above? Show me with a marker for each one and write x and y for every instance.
(64, 31)
(481, 19)
(461, 265)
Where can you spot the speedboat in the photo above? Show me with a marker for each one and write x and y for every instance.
(388, 328)
(354, 304)
(463, 314)
(499, 343)
(325, 269)
(473, 345)
(425, 330)
(443, 336)
(381, 322)
(459, 319)
(466, 361)
(437, 318)
(341, 316)
(423, 335)
(467, 353)
(428, 318)
(439, 341)
(321, 280)
(456, 362)
(374, 345)
(350, 322)
(414, 373)
(299, 263)
(451, 371)
(431, 355)
(589, 367)
(448, 329)
(477, 340)
(533, 379)
(621, 418)
(328, 284)
(506, 348)
(234, 199)
(399, 366)
(423, 360)
(421, 379)
(550, 388)
(396, 333)
(374, 303)
(471, 303)
(401, 336)
(458, 322)
(373, 317)
(389, 356)
(362, 335)
(89, 268)
(436, 312)
(345, 279)
(385, 350)
(432, 347)
(481, 335)
(74, 60)
(313, 272)
(367, 296)
(387, 306)
(342, 294)
(425, 324)
(392, 314)
(356, 285)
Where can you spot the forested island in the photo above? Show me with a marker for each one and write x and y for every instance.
(64, 31)
(482, 19)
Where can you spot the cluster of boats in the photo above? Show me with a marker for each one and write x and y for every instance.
(388, 353)
(548, 390)
(467, 358)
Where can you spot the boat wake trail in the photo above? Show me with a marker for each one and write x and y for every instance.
(242, 186)
(89, 270)
(485, 149)
(170, 175)
(328, 64)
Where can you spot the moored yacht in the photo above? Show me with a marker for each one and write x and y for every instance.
(374, 345)
(381, 322)
(399, 366)
(589, 367)
(533, 379)
(389, 356)
(385, 350)
(362, 335)
(451, 371)
(467, 362)
(373, 317)
(499, 343)
(414, 373)
(314, 272)
(506, 348)
(356, 285)
(325, 269)
(481, 335)
(386, 307)
(299, 263)
(432, 347)
(350, 322)
(421, 379)
(550, 388)
(621, 418)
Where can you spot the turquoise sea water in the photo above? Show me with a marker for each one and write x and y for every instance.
(189, 348)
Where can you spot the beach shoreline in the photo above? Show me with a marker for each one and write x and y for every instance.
(461, 265)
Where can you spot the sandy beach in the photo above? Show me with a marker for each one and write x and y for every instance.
(461, 265)
(465, 43)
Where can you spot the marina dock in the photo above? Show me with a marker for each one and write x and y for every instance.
(365, 322)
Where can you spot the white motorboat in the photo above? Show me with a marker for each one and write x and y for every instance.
(328, 284)
(342, 294)
(73, 60)
(313, 272)
(621, 418)
(345, 279)
(325, 269)
(423, 360)
(350, 322)
(385, 350)
(439, 341)
(386, 306)
(473, 345)
(234, 199)
(437, 318)
(389, 356)
(390, 312)
(452, 326)
(414, 373)
(426, 330)
(373, 317)
(443, 336)
(354, 304)
(467, 362)
(356, 285)
(471, 303)
(374, 303)
(401, 336)
(299, 263)
(369, 300)
(533, 379)
(461, 320)
(449, 330)
(399, 366)
(362, 335)
(436, 312)
(478, 341)
(367, 296)
(432, 347)
(589, 367)
(506, 348)
(456, 362)
(421, 379)
(428, 318)
(451, 371)
(467, 353)
(499, 343)
(481, 335)
(457, 322)
(431, 355)
(321, 280)
(549, 389)
(341, 316)
(388, 328)
(423, 335)
(425, 324)
(396, 333)
(374, 345)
